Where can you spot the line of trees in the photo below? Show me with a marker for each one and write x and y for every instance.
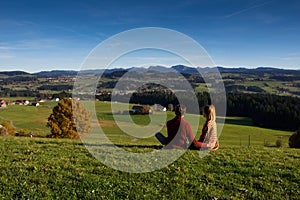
(7, 92)
(266, 110)
(60, 87)
(18, 79)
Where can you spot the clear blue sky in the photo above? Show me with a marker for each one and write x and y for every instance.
(45, 35)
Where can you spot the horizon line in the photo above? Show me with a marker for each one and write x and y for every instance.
(168, 67)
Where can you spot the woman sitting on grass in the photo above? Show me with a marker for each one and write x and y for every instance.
(180, 135)
(209, 130)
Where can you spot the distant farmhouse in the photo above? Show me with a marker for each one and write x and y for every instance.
(35, 104)
(2, 103)
(158, 107)
(140, 110)
(22, 102)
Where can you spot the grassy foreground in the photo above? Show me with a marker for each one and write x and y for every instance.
(34, 168)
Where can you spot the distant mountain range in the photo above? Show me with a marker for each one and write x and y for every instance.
(177, 68)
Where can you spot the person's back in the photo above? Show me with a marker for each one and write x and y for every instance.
(209, 131)
(178, 133)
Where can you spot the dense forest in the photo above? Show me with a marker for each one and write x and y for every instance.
(266, 110)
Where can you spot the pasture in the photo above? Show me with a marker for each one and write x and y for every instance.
(236, 130)
(41, 168)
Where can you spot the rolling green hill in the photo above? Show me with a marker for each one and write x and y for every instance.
(43, 168)
(236, 130)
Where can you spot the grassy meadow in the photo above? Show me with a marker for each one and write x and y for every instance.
(236, 130)
(41, 168)
(64, 169)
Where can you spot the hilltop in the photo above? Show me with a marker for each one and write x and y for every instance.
(259, 80)
(176, 68)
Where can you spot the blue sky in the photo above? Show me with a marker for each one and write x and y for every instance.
(47, 35)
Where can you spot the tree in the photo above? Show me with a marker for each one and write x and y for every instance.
(69, 119)
(7, 129)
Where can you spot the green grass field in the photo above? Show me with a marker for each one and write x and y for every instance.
(41, 168)
(236, 130)
(64, 169)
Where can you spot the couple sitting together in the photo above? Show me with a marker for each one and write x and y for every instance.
(180, 134)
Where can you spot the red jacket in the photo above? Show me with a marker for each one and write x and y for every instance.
(180, 134)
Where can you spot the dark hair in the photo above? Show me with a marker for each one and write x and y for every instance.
(180, 110)
(206, 109)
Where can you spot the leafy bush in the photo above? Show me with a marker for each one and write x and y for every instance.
(23, 131)
(294, 140)
(7, 129)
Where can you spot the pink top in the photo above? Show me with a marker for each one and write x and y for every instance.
(180, 134)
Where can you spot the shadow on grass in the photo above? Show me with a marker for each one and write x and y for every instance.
(132, 146)
(127, 146)
(141, 146)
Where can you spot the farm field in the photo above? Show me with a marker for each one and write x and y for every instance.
(236, 130)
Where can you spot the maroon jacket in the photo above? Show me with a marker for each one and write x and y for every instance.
(180, 134)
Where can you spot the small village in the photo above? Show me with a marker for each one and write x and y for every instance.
(4, 104)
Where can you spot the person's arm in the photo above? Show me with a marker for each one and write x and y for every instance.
(169, 132)
(191, 137)
(199, 144)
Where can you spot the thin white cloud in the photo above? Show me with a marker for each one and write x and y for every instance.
(41, 43)
(5, 48)
(294, 56)
(33, 44)
(11, 22)
(291, 58)
(6, 56)
(75, 33)
(247, 9)
(268, 19)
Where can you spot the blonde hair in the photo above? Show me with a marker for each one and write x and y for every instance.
(210, 112)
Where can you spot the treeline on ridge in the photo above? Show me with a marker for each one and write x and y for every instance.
(266, 110)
